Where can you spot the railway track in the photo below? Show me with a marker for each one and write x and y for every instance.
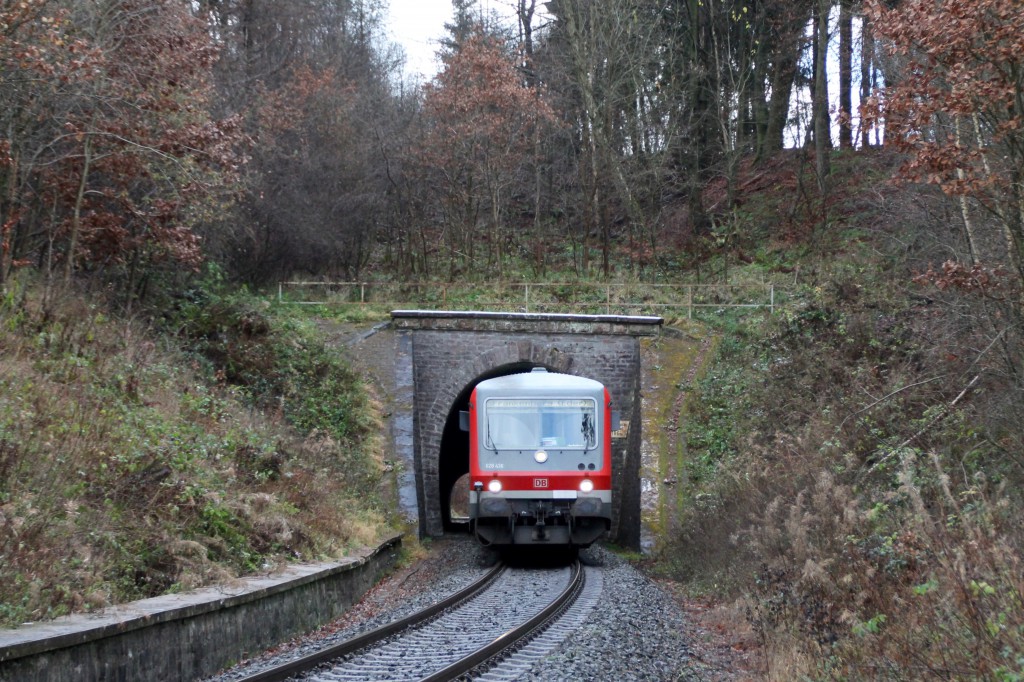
(469, 631)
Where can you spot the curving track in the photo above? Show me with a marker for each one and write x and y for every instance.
(479, 625)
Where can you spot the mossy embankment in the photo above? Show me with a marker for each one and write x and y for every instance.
(671, 364)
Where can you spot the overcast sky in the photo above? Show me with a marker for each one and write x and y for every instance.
(418, 25)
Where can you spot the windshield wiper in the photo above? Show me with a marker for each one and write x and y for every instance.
(587, 428)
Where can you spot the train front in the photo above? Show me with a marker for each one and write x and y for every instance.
(540, 460)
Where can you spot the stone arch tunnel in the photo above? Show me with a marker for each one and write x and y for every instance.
(447, 353)
(453, 455)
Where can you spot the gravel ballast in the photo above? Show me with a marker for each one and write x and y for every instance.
(636, 631)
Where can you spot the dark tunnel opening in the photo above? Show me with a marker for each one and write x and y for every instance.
(453, 460)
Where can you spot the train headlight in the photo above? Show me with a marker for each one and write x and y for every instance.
(586, 486)
(494, 485)
(540, 456)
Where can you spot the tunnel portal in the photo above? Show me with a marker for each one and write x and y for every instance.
(453, 459)
(451, 352)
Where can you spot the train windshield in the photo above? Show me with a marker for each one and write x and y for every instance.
(534, 423)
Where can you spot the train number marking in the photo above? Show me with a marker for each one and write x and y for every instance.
(494, 465)
(540, 483)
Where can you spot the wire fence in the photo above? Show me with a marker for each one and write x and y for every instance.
(633, 298)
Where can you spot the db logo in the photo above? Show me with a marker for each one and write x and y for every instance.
(540, 483)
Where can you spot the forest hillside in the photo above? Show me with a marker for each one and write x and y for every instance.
(851, 463)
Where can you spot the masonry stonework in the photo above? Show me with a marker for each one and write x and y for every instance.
(451, 352)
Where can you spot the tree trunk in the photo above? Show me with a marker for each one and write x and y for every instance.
(1015, 242)
(822, 121)
(8, 219)
(782, 77)
(524, 12)
(867, 51)
(583, 51)
(845, 75)
(499, 237)
(965, 213)
(702, 114)
(76, 219)
(537, 195)
(783, 57)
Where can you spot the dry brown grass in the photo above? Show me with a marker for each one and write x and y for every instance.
(906, 589)
(129, 468)
(867, 511)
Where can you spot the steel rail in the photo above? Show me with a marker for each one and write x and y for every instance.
(305, 663)
(513, 636)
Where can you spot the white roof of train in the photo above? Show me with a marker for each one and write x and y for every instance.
(539, 381)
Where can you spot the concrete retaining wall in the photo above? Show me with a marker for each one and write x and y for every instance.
(192, 635)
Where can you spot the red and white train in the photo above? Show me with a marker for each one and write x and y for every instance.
(540, 460)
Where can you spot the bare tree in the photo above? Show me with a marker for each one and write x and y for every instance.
(313, 81)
